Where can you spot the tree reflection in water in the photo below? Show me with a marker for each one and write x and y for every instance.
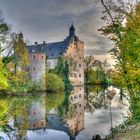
(97, 97)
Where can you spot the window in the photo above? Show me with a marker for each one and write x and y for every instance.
(79, 95)
(75, 75)
(79, 57)
(71, 75)
(34, 57)
(75, 97)
(42, 57)
(79, 65)
(79, 74)
(33, 69)
(42, 123)
(79, 105)
(48, 63)
(33, 125)
(33, 113)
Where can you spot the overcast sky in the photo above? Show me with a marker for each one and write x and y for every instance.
(50, 20)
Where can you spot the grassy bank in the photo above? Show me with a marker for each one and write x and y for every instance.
(126, 132)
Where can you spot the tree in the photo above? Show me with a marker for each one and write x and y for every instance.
(125, 36)
(3, 77)
(3, 32)
(88, 66)
(20, 51)
(3, 29)
(63, 70)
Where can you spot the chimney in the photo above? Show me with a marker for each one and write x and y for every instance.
(36, 43)
(44, 42)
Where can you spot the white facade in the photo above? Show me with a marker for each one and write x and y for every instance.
(52, 63)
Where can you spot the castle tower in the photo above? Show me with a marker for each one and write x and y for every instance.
(37, 58)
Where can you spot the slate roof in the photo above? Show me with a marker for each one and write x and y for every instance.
(53, 50)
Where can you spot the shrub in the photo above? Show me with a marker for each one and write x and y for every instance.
(54, 83)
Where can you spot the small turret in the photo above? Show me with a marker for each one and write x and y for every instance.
(21, 34)
(72, 30)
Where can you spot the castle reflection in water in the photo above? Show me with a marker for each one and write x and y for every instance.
(39, 120)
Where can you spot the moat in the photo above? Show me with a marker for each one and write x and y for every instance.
(78, 115)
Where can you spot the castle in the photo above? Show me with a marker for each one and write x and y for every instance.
(70, 48)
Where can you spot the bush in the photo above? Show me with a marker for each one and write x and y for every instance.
(33, 87)
(54, 83)
(3, 77)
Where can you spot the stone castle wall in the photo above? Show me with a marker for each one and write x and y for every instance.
(37, 67)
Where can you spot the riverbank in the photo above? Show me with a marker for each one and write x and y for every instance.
(126, 132)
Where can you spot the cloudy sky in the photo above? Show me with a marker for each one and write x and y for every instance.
(50, 20)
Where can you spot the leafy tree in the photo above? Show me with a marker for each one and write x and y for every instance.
(3, 77)
(63, 70)
(126, 36)
(88, 66)
(20, 51)
(3, 72)
(3, 29)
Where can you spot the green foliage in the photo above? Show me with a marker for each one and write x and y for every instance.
(33, 86)
(95, 72)
(63, 108)
(3, 77)
(3, 110)
(53, 100)
(62, 69)
(3, 72)
(54, 83)
(20, 50)
(127, 51)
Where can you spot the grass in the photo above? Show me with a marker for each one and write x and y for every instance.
(131, 132)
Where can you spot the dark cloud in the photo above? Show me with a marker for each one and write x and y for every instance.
(50, 20)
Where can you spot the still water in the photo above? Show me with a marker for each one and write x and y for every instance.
(78, 115)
